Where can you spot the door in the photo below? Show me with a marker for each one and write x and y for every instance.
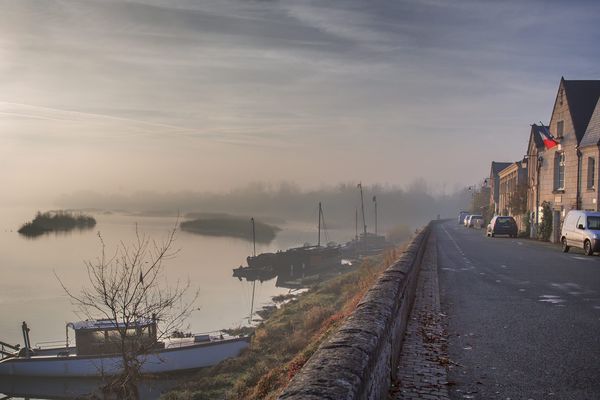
(577, 234)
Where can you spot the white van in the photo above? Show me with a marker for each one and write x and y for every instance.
(581, 229)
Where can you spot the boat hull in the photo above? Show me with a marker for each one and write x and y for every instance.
(167, 360)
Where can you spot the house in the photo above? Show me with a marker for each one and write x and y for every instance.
(561, 167)
(590, 154)
(512, 192)
(494, 185)
(533, 160)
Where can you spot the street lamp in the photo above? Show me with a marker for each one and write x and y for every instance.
(473, 189)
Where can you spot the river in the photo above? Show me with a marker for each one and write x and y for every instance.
(30, 290)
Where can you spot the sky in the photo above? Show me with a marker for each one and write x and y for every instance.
(209, 95)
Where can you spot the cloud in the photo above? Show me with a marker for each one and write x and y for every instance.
(292, 88)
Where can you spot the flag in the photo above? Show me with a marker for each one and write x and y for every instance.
(547, 137)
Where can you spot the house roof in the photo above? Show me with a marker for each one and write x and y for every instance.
(592, 133)
(516, 166)
(499, 166)
(536, 133)
(582, 96)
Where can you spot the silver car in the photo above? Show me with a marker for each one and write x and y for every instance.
(581, 229)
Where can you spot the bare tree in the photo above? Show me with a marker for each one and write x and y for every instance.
(128, 287)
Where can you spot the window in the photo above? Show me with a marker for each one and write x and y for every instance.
(591, 172)
(593, 223)
(560, 127)
(559, 171)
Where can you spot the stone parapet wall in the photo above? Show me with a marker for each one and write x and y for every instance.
(359, 360)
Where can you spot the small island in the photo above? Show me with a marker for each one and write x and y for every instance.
(232, 226)
(56, 221)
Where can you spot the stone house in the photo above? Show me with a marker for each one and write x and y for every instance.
(512, 199)
(590, 154)
(561, 168)
(533, 160)
(494, 185)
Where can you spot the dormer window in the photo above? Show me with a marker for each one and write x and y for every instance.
(560, 127)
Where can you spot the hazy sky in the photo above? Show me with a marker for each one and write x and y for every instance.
(119, 96)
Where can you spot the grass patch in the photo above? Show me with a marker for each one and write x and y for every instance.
(283, 343)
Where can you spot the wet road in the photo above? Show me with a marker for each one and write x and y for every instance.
(523, 318)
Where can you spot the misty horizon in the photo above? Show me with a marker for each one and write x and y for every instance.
(413, 205)
(156, 95)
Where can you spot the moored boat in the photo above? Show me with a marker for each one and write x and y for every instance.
(96, 351)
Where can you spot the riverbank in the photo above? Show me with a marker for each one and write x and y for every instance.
(231, 226)
(286, 340)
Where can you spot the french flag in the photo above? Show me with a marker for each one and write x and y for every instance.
(547, 137)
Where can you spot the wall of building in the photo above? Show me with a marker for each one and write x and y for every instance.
(565, 200)
(589, 197)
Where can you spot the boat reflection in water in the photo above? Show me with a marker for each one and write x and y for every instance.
(76, 388)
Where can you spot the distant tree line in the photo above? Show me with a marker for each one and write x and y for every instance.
(413, 205)
(53, 221)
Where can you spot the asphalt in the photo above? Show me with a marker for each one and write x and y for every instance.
(523, 318)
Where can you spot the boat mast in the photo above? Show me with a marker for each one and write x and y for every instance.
(320, 213)
(356, 224)
(362, 206)
(254, 281)
(375, 201)
(253, 237)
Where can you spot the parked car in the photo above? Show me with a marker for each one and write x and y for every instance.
(581, 229)
(461, 216)
(476, 221)
(502, 225)
(467, 218)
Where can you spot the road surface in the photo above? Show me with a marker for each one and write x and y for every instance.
(523, 318)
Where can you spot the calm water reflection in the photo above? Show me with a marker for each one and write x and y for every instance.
(29, 290)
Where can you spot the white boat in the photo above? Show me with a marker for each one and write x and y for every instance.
(96, 352)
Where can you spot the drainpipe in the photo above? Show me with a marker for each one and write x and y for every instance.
(537, 193)
(578, 194)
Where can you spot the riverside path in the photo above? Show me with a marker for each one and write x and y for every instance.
(522, 318)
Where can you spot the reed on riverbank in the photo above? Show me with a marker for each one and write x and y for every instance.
(286, 340)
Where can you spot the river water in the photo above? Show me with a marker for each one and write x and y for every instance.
(30, 291)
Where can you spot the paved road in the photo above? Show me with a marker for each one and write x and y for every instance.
(523, 318)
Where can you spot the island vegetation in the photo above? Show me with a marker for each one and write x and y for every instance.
(56, 221)
(283, 343)
(230, 225)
